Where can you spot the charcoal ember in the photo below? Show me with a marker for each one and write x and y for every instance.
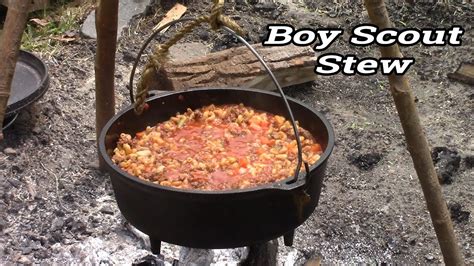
(59, 213)
(150, 260)
(365, 161)
(3, 224)
(55, 237)
(68, 198)
(265, 7)
(14, 182)
(275, 14)
(203, 34)
(447, 163)
(457, 213)
(42, 253)
(469, 161)
(79, 227)
(129, 56)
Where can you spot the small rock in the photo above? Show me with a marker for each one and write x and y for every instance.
(107, 210)
(196, 256)
(275, 14)
(26, 250)
(36, 130)
(42, 254)
(93, 165)
(410, 239)
(429, 257)
(57, 224)
(9, 151)
(150, 260)
(55, 237)
(79, 227)
(24, 260)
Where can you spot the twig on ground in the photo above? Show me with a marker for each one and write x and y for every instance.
(56, 178)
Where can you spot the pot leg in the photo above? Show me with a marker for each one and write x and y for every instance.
(155, 245)
(288, 238)
(262, 254)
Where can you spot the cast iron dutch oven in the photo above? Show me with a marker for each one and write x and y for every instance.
(221, 219)
(216, 219)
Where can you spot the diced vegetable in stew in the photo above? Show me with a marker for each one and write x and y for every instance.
(216, 148)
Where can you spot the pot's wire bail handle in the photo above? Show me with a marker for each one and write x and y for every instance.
(160, 54)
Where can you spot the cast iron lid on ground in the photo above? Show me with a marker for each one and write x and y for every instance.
(30, 82)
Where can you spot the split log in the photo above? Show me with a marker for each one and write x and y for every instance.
(106, 25)
(173, 14)
(417, 143)
(464, 73)
(238, 67)
(14, 26)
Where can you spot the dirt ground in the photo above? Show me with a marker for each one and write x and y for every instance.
(57, 207)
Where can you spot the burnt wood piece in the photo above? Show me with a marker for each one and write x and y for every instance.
(262, 254)
(464, 73)
(238, 67)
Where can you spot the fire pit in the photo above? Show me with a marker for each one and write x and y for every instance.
(217, 219)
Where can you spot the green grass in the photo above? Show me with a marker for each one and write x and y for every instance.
(62, 17)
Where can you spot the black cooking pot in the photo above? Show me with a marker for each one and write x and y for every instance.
(216, 219)
(220, 219)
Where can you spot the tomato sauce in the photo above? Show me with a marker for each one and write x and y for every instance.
(215, 148)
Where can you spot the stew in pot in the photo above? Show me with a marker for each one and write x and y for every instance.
(216, 148)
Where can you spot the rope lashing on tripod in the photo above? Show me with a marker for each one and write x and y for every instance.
(160, 54)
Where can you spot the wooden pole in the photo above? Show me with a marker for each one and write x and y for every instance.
(106, 26)
(417, 144)
(14, 26)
